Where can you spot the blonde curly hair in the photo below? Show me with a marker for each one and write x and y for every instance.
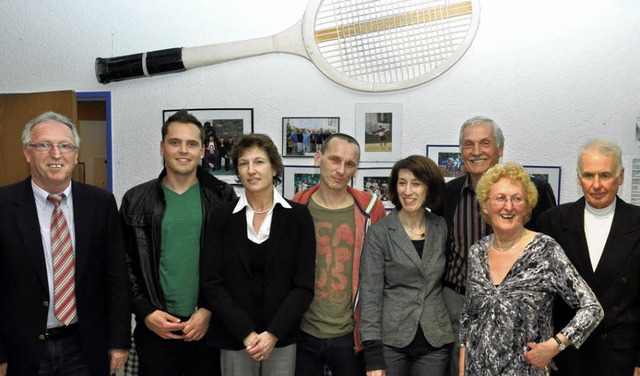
(513, 172)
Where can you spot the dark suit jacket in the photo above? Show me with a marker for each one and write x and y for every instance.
(102, 292)
(288, 279)
(546, 200)
(614, 347)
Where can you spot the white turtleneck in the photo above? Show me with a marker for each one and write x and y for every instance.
(597, 224)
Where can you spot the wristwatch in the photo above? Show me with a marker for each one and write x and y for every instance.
(561, 345)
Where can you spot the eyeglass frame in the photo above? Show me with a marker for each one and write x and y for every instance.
(64, 148)
(500, 197)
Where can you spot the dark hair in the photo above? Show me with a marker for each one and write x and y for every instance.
(427, 172)
(263, 142)
(184, 117)
(341, 136)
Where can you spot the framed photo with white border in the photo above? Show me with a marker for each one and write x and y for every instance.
(227, 123)
(550, 174)
(379, 131)
(448, 158)
(375, 180)
(298, 178)
(302, 136)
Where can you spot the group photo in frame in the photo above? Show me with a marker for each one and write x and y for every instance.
(449, 160)
(549, 174)
(298, 178)
(379, 131)
(303, 136)
(375, 180)
(222, 127)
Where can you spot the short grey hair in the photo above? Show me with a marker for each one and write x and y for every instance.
(604, 146)
(49, 116)
(480, 120)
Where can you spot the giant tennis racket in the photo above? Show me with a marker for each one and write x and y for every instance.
(368, 45)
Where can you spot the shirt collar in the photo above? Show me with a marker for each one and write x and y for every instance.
(41, 195)
(277, 199)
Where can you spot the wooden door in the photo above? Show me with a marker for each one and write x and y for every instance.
(15, 111)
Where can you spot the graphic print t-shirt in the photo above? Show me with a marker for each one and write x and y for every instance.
(331, 312)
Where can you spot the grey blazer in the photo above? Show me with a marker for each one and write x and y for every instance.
(398, 289)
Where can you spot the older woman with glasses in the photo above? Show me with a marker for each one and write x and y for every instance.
(513, 278)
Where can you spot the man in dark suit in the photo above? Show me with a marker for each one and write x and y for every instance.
(77, 323)
(600, 233)
(481, 146)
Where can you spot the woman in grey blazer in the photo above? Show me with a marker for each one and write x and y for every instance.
(404, 323)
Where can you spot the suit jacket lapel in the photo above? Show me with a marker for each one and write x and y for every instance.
(617, 248)
(239, 234)
(26, 216)
(578, 253)
(279, 222)
(401, 240)
(435, 235)
(83, 213)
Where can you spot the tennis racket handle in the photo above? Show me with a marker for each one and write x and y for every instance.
(139, 65)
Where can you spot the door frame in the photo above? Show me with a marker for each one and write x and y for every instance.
(106, 96)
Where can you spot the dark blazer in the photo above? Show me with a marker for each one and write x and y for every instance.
(102, 291)
(614, 347)
(288, 280)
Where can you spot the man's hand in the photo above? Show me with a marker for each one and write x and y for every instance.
(117, 359)
(162, 324)
(3, 369)
(541, 353)
(636, 371)
(197, 325)
(261, 346)
(377, 372)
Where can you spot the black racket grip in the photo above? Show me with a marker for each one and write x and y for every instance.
(122, 68)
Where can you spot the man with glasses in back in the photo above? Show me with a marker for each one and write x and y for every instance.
(65, 295)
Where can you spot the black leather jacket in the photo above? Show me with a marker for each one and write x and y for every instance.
(142, 211)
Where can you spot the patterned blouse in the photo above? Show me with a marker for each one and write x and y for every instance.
(498, 321)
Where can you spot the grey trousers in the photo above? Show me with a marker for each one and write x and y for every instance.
(281, 362)
(454, 302)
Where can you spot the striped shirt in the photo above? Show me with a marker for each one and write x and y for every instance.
(468, 228)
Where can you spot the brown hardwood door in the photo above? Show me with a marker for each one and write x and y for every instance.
(15, 111)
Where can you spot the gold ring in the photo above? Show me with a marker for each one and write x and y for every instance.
(262, 358)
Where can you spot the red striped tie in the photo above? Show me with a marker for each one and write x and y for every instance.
(63, 264)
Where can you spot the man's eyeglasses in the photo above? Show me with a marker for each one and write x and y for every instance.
(46, 147)
(501, 200)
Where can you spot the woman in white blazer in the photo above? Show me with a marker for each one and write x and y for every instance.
(405, 327)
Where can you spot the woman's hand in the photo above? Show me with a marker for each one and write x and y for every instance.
(376, 372)
(540, 354)
(260, 346)
(461, 361)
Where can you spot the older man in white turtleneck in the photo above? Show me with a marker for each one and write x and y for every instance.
(600, 233)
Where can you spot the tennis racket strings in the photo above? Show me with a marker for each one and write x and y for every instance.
(385, 42)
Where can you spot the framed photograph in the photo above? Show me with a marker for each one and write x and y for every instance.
(375, 180)
(298, 178)
(378, 130)
(448, 158)
(550, 174)
(302, 136)
(222, 126)
(79, 172)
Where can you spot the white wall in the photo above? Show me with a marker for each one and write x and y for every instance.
(551, 73)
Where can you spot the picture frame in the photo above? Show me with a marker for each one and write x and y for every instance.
(449, 160)
(375, 180)
(226, 122)
(379, 131)
(79, 174)
(298, 178)
(312, 131)
(550, 174)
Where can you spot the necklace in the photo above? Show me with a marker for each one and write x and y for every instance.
(264, 211)
(495, 242)
(420, 234)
